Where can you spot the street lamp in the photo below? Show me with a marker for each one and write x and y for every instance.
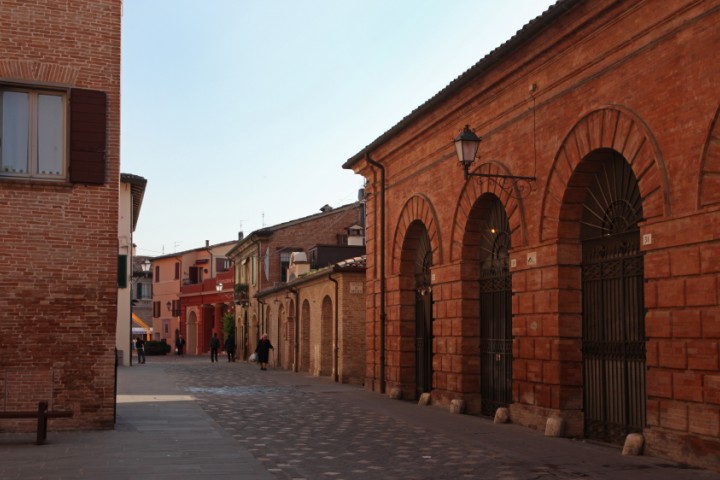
(145, 266)
(168, 305)
(219, 287)
(466, 147)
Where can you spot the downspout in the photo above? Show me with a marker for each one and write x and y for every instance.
(382, 268)
(337, 336)
(262, 316)
(259, 287)
(296, 347)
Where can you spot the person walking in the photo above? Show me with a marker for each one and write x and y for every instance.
(230, 347)
(214, 346)
(180, 345)
(263, 351)
(140, 347)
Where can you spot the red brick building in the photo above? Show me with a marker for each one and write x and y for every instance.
(588, 295)
(262, 258)
(59, 182)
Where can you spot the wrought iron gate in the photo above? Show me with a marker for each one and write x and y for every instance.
(613, 342)
(495, 313)
(613, 338)
(423, 317)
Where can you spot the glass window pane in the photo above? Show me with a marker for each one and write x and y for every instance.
(50, 135)
(14, 155)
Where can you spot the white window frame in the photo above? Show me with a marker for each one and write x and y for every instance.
(32, 164)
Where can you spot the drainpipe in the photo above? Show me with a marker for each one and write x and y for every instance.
(296, 347)
(262, 316)
(337, 322)
(382, 268)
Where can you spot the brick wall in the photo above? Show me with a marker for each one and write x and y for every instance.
(619, 76)
(59, 305)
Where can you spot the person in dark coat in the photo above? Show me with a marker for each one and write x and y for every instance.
(263, 351)
(214, 347)
(140, 347)
(230, 347)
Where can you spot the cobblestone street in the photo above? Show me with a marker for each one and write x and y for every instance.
(188, 418)
(300, 426)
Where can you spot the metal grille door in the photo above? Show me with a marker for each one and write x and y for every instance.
(495, 312)
(613, 338)
(613, 343)
(423, 317)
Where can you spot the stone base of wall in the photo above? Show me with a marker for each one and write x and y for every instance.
(696, 450)
(536, 418)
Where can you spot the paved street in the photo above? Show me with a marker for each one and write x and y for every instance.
(188, 418)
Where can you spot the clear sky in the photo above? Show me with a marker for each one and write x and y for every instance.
(240, 113)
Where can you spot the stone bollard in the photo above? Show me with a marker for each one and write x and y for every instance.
(634, 443)
(457, 406)
(554, 427)
(502, 415)
(424, 399)
(395, 393)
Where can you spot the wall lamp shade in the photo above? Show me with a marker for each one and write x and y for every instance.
(466, 147)
(219, 287)
(145, 266)
(168, 305)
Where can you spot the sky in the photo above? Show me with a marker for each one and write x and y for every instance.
(240, 113)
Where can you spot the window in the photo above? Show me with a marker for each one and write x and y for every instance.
(177, 270)
(284, 264)
(157, 273)
(156, 309)
(38, 142)
(33, 133)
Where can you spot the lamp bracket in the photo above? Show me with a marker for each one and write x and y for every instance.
(518, 187)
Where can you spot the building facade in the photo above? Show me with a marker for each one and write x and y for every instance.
(132, 191)
(185, 296)
(586, 293)
(328, 340)
(59, 180)
(261, 261)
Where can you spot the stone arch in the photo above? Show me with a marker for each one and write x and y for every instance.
(613, 128)
(709, 187)
(417, 208)
(471, 193)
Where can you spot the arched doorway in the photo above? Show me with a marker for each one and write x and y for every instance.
(613, 339)
(305, 337)
(423, 313)
(192, 332)
(326, 337)
(495, 307)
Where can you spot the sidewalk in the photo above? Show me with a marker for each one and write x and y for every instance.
(230, 420)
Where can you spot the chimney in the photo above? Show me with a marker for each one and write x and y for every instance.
(207, 243)
(241, 235)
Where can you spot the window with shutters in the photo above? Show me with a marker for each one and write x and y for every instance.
(177, 271)
(122, 271)
(157, 273)
(50, 134)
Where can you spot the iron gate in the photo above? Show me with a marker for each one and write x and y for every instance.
(495, 310)
(423, 316)
(495, 338)
(613, 337)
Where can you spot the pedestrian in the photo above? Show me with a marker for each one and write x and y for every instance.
(230, 347)
(140, 347)
(263, 351)
(180, 345)
(214, 346)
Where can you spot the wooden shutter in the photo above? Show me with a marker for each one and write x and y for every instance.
(177, 271)
(88, 136)
(122, 271)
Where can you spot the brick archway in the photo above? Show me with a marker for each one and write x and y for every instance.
(471, 193)
(417, 208)
(615, 128)
(709, 188)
